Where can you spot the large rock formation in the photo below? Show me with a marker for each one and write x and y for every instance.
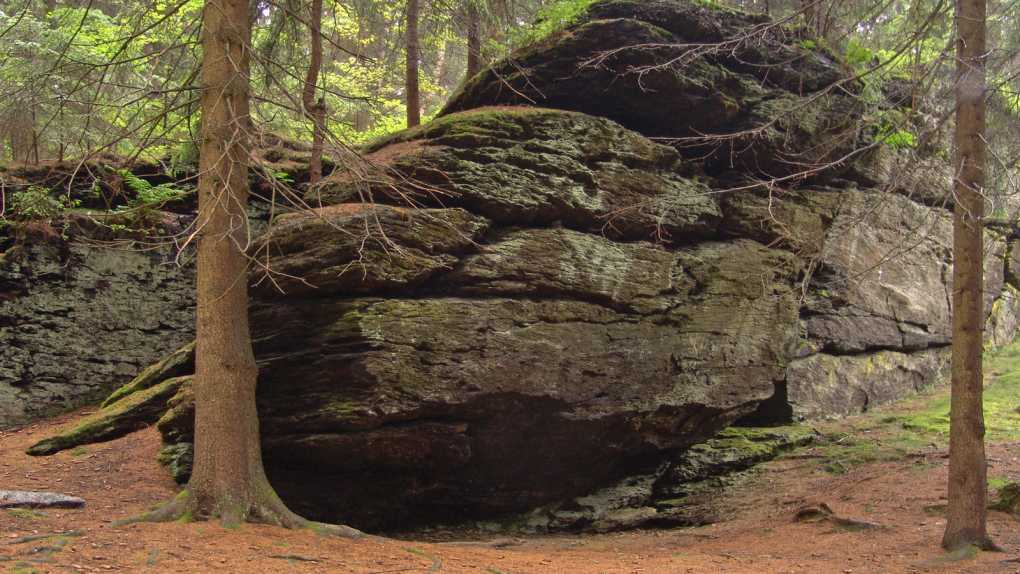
(572, 305)
(691, 72)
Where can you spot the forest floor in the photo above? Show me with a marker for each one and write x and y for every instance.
(887, 467)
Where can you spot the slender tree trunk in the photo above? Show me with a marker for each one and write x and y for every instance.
(474, 40)
(22, 132)
(966, 514)
(411, 84)
(228, 477)
(316, 110)
(228, 480)
(35, 138)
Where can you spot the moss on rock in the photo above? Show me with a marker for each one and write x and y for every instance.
(130, 413)
(180, 362)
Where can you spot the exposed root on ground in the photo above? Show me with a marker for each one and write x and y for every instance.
(187, 508)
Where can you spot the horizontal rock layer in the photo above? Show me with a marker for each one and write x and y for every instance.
(571, 307)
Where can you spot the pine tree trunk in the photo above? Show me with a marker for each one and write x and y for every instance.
(966, 514)
(474, 40)
(412, 86)
(228, 480)
(316, 110)
(22, 133)
(228, 474)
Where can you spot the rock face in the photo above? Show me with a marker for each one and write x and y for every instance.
(528, 332)
(686, 70)
(79, 321)
(572, 306)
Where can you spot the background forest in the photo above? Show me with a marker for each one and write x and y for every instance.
(87, 76)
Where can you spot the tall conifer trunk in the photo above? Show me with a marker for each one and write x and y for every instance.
(228, 481)
(474, 40)
(316, 110)
(412, 83)
(966, 515)
(228, 472)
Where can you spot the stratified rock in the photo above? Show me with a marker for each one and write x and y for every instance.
(180, 362)
(678, 492)
(638, 277)
(445, 394)
(826, 385)
(427, 399)
(360, 248)
(128, 414)
(536, 167)
(921, 178)
(80, 320)
(797, 220)
(881, 277)
(732, 450)
(686, 70)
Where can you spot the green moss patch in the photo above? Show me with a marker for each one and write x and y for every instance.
(178, 363)
(131, 413)
(921, 423)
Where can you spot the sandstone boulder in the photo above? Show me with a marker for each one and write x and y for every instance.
(527, 309)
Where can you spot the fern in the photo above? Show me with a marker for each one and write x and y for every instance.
(146, 194)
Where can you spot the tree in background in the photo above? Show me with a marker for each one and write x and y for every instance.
(474, 39)
(316, 109)
(411, 84)
(966, 515)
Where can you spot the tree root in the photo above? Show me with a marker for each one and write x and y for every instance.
(822, 512)
(185, 508)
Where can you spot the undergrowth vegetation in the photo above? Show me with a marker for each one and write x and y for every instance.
(921, 423)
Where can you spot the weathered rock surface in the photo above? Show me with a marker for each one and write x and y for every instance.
(29, 499)
(536, 167)
(825, 385)
(687, 70)
(133, 412)
(432, 396)
(682, 491)
(574, 307)
(78, 321)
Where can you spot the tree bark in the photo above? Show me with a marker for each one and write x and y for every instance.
(316, 110)
(228, 480)
(966, 515)
(22, 133)
(474, 40)
(411, 84)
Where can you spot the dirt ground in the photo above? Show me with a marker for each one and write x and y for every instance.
(119, 479)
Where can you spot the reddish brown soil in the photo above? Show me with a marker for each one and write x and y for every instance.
(121, 478)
